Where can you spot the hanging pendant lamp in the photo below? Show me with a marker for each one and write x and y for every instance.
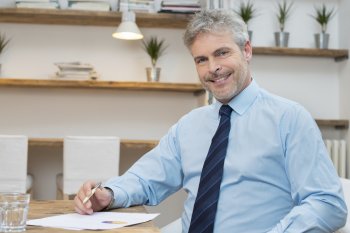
(128, 30)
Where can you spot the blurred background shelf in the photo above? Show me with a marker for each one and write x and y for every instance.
(150, 144)
(337, 124)
(337, 54)
(91, 18)
(195, 88)
(126, 143)
(147, 20)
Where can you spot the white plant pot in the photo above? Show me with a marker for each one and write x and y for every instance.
(250, 33)
(321, 40)
(281, 39)
(153, 74)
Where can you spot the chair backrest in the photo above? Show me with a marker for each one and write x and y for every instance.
(173, 227)
(346, 189)
(13, 163)
(89, 158)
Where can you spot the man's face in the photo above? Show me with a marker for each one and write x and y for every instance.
(221, 65)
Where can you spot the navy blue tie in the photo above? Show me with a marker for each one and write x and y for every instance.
(204, 210)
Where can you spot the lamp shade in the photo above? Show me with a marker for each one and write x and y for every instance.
(128, 29)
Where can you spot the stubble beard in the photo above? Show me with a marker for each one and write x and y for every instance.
(231, 89)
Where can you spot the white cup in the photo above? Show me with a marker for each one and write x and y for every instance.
(13, 211)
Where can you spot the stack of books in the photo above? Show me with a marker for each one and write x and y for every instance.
(137, 6)
(89, 5)
(76, 70)
(180, 6)
(44, 4)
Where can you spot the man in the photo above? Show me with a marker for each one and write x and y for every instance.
(276, 176)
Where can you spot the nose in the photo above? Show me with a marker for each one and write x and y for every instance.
(214, 67)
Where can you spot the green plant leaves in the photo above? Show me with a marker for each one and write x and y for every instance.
(3, 42)
(154, 48)
(246, 11)
(323, 15)
(284, 9)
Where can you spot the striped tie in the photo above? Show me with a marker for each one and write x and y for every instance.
(204, 210)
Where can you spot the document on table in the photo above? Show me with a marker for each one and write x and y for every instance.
(96, 221)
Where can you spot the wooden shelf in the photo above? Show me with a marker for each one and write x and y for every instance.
(337, 54)
(197, 89)
(92, 18)
(148, 20)
(150, 144)
(127, 143)
(337, 124)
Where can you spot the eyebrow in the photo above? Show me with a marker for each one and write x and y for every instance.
(199, 57)
(222, 48)
(213, 53)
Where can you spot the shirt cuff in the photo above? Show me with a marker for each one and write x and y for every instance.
(120, 197)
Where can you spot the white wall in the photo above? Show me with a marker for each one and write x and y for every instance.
(47, 112)
(35, 48)
(344, 69)
(320, 84)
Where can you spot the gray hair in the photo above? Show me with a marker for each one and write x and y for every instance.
(216, 20)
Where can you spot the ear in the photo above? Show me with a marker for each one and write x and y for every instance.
(248, 51)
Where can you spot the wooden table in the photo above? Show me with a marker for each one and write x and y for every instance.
(40, 209)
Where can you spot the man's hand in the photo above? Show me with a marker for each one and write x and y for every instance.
(97, 202)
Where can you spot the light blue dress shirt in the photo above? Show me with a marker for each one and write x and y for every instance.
(277, 177)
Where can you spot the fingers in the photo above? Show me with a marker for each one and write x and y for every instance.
(80, 209)
(97, 202)
(100, 199)
(84, 191)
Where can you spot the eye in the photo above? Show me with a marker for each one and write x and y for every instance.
(200, 60)
(221, 53)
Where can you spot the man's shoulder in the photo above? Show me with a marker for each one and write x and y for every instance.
(199, 113)
(202, 110)
(285, 108)
(278, 101)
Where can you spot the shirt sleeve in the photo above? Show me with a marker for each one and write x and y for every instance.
(315, 186)
(154, 177)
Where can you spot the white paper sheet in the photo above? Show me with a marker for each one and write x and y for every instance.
(96, 221)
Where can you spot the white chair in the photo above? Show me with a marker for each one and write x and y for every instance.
(346, 190)
(13, 164)
(87, 158)
(173, 227)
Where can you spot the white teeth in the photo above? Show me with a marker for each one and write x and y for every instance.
(220, 79)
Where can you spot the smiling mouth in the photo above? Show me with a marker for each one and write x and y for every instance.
(219, 78)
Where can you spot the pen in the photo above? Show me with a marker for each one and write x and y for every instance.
(115, 222)
(92, 192)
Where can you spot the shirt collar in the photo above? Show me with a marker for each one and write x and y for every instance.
(243, 100)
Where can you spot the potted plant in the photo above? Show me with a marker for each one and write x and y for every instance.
(247, 12)
(3, 43)
(154, 48)
(282, 37)
(322, 16)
